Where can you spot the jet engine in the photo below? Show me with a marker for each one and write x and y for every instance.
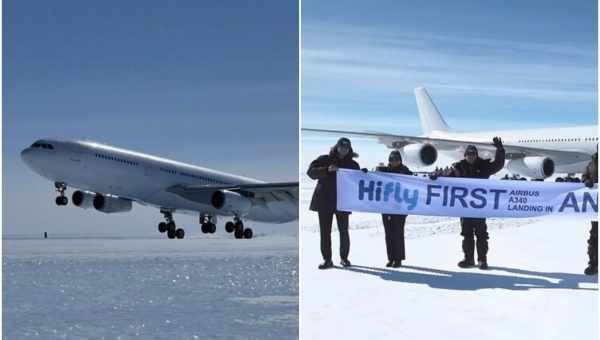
(231, 202)
(83, 199)
(111, 204)
(420, 155)
(535, 167)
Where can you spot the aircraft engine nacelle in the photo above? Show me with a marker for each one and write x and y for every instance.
(535, 167)
(419, 154)
(83, 199)
(111, 204)
(231, 202)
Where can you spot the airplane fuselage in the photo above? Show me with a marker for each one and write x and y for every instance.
(583, 139)
(141, 177)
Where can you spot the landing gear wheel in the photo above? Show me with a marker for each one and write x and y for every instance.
(229, 227)
(213, 228)
(162, 227)
(205, 228)
(171, 226)
(62, 200)
(239, 233)
(171, 233)
(248, 233)
(179, 233)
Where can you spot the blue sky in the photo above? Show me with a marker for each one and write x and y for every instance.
(212, 83)
(486, 64)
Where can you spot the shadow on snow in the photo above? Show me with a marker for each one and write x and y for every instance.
(460, 280)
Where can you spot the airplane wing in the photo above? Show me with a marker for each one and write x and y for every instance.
(512, 151)
(266, 191)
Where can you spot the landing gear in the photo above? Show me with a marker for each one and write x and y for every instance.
(207, 224)
(238, 229)
(169, 227)
(61, 188)
(208, 228)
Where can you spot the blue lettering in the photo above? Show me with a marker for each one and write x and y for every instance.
(454, 195)
(431, 194)
(362, 189)
(388, 190)
(569, 202)
(497, 193)
(412, 201)
(475, 194)
(589, 199)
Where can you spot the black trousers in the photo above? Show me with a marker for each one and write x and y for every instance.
(471, 228)
(593, 244)
(394, 236)
(325, 222)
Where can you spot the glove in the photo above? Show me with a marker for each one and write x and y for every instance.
(588, 183)
(365, 170)
(497, 142)
(433, 176)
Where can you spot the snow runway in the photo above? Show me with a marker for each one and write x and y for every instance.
(124, 288)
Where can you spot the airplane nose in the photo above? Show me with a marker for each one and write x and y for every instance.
(27, 156)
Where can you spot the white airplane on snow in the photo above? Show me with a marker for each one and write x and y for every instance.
(110, 179)
(535, 153)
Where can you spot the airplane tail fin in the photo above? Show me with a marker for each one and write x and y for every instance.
(431, 119)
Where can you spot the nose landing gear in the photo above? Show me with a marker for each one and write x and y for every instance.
(61, 188)
(207, 224)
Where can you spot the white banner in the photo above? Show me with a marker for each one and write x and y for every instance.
(388, 193)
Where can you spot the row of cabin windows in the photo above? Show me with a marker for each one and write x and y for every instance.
(588, 139)
(206, 179)
(168, 171)
(117, 159)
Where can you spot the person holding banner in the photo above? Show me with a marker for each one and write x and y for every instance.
(590, 176)
(324, 199)
(474, 167)
(394, 224)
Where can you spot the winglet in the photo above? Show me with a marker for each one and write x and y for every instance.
(431, 119)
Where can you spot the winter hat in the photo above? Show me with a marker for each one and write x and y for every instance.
(471, 149)
(395, 155)
(343, 141)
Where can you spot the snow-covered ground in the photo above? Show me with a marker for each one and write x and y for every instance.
(535, 288)
(125, 288)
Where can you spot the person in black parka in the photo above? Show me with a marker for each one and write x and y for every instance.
(394, 224)
(474, 167)
(589, 178)
(324, 199)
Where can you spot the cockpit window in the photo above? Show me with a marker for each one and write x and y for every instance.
(42, 145)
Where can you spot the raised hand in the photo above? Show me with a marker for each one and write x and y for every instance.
(497, 142)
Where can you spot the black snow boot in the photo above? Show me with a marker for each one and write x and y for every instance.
(345, 263)
(326, 265)
(468, 246)
(482, 264)
(390, 264)
(591, 270)
(467, 263)
(397, 264)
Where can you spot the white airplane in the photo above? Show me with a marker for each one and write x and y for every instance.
(110, 179)
(535, 153)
